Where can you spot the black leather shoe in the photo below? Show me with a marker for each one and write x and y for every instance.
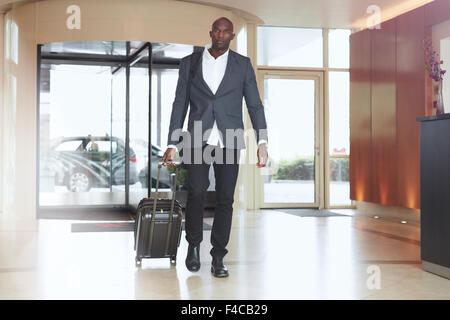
(218, 269)
(193, 258)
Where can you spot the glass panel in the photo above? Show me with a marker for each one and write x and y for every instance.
(339, 48)
(164, 83)
(339, 151)
(290, 47)
(291, 156)
(118, 133)
(139, 126)
(75, 136)
(339, 95)
(339, 182)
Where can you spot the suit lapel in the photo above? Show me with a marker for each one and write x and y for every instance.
(228, 72)
(199, 75)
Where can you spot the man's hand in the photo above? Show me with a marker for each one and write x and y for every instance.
(168, 156)
(262, 156)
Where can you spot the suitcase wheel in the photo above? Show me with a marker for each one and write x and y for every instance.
(173, 259)
(138, 261)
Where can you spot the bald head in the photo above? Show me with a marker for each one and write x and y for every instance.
(225, 21)
(221, 34)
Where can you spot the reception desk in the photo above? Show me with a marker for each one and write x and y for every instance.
(435, 194)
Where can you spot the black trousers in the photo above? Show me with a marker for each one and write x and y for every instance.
(226, 168)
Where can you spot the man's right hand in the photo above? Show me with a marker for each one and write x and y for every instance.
(168, 156)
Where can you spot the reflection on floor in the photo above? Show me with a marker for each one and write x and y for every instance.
(272, 255)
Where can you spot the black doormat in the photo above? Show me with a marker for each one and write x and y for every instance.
(115, 227)
(311, 213)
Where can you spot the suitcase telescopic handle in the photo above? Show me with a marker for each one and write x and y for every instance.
(173, 180)
(160, 165)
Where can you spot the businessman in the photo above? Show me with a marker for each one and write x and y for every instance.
(214, 83)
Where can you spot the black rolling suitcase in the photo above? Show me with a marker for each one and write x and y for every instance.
(157, 229)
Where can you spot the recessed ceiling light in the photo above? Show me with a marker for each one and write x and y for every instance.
(376, 217)
(403, 221)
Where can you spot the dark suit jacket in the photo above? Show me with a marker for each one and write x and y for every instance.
(225, 106)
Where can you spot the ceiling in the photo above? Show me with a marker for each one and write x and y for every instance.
(347, 14)
(350, 14)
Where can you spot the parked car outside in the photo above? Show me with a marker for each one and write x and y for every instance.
(86, 162)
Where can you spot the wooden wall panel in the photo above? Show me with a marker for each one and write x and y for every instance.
(411, 104)
(384, 116)
(360, 117)
(400, 93)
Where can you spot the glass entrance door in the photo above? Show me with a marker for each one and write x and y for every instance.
(100, 139)
(293, 107)
(94, 125)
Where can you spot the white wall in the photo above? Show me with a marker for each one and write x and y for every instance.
(19, 119)
(1, 107)
(445, 55)
(441, 43)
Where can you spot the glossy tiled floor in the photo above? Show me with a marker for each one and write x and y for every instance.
(272, 255)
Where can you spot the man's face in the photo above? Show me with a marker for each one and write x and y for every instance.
(221, 35)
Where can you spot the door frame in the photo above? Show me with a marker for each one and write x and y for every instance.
(319, 144)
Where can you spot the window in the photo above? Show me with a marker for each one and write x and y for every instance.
(339, 138)
(290, 47)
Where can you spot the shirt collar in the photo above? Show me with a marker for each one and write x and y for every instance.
(209, 56)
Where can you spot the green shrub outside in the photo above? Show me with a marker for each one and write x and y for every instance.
(303, 169)
(297, 169)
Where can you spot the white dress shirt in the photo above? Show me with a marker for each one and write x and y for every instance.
(213, 72)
